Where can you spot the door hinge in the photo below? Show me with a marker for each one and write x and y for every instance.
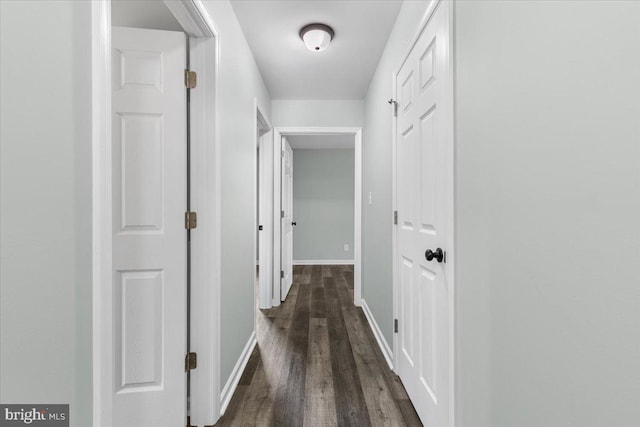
(190, 220)
(190, 79)
(395, 106)
(282, 274)
(282, 214)
(395, 326)
(190, 361)
(395, 217)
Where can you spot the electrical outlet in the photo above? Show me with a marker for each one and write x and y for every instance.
(346, 247)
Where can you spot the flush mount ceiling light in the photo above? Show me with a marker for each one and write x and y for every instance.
(316, 36)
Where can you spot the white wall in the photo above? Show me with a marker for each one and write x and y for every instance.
(322, 113)
(377, 217)
(45, 206)
(323, 204)
(548, 202)
(240, 83)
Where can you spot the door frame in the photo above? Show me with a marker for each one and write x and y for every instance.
(450, 196)
(356, 132)
(265, 142)
(205, 199)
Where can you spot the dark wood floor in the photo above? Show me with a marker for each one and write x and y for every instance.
(317, 362)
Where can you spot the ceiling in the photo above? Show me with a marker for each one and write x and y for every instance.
(153, 15)
(341, 142)
(343, 71)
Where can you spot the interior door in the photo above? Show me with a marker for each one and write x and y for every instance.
(149, 237)
(423, 144)
(287, 218)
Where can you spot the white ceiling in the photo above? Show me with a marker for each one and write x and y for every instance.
(343, 71)
(341, 142)
(150, 14)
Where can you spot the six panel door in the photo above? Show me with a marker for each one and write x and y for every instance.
(149, 238)
(423, 293)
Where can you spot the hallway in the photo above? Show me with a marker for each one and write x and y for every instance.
(317, 362)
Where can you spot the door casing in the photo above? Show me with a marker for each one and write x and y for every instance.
(278, 133)
(450, 197)
(205, 199)
(265, 144)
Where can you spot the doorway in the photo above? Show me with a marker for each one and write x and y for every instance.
(147, 378)
(281, 230)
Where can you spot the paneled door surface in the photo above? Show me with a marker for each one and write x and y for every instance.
(149, 237)
(287, 218)
(423, 144)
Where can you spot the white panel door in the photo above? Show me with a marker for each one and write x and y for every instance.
(287, 218)
(149, 238)
(423, 145)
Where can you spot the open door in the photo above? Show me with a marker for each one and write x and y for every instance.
(149, 236)
(287, 219)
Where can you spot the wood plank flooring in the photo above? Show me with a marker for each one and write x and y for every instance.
(317, 362)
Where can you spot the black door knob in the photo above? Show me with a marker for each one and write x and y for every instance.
(438, 254)
(294, 223)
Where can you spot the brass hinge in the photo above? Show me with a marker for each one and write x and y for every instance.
(190, 361)
(395, 325)
(282, 274)
(190, 79)
(395, 217)
(190, 220)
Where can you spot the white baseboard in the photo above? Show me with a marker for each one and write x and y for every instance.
(234, 378)
(323, 262)
(382, 343)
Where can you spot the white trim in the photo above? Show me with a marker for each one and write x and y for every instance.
(206, 199)
(377, 332)
(450, 170)
(236, 374)
(451, 202)
(357, 222)
(192, 17)
(278, 133)
(324, 262)
(262, 122)
(102, 327)
(394, 208)
(276, 221)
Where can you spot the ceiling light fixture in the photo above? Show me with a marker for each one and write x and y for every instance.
(316, 36)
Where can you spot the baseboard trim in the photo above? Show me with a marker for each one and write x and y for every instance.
(234, 378)
(382, 343)
(324, 262)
